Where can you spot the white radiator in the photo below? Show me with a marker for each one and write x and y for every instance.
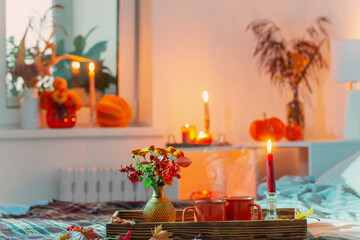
(98, 184)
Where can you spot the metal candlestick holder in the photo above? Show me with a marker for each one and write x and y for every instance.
(271, 199)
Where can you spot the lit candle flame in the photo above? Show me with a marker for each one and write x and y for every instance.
(269, 145)
(75, 65)
(205, 96)
(187, 125)
(201, 134)
(91, 67)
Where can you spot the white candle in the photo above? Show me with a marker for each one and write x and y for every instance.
(75, 65)
(92, 92)
(205, 96)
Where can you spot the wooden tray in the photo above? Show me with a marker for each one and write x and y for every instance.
(264, 229)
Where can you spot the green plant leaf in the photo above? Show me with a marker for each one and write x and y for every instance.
(95, 51)
(147, 183)
(79, 43)
(90, 32)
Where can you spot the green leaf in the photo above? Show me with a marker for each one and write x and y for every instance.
(147, 183)
(79, 43)
(90, 31)
(95, 51)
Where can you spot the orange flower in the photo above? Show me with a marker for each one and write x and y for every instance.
(60, 96)
(156, 160)
(75, 99)
(143, 151)
(164, 163)
(160, 151)
(157, 173)
(170, 150)
(168, 180)
(136, 151)
(59, 83)
(178, 154)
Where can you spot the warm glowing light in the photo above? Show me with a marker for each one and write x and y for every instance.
(201, 134)
(205, 96)
(91, 67)
(187, 125)
(269, 145)
(75, 65)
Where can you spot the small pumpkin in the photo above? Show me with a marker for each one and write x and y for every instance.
(269, 128)
(293, 132)
(113, 111)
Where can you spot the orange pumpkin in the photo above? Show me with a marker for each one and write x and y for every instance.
(269, 128)
(293, 132)
(113, 111)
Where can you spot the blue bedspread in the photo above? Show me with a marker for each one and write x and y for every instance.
(330, 202)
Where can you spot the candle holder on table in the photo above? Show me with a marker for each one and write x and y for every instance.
(271, 200)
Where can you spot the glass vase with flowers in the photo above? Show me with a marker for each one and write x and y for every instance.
(157, 167)
(291, 62)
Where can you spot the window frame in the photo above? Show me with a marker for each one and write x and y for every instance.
(126, 75)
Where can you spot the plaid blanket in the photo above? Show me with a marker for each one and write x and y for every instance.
(51, 220)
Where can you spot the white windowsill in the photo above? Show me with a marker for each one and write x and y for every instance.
(82, 133)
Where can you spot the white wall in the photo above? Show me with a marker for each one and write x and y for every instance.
(30, 159)
(203, 44)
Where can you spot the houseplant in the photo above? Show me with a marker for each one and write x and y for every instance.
(291, 62)
(157, 167)
(103, 75)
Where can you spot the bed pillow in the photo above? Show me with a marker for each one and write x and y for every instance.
(346, 173)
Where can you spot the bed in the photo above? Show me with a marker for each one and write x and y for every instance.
(331, 205)
(50, 220)
(334, 197)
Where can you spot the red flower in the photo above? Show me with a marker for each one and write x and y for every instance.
(127, 169)
(133, 177)
(173, 169)
(168, 180)
(164, 163)
(127, 237)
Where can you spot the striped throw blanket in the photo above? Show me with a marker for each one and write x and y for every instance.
(51, 220)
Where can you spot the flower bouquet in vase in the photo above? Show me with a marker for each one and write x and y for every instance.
(157, 167)
(61, 105)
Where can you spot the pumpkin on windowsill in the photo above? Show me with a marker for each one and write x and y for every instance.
(268, 128)
(113, 111)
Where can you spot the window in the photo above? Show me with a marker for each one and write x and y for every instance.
(128, 65)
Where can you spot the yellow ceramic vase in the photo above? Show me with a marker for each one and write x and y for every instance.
(159, 208)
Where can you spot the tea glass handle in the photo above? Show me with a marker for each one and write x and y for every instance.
(259, 209)
(185, 210)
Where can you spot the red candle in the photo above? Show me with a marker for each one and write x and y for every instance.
(270, 169)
